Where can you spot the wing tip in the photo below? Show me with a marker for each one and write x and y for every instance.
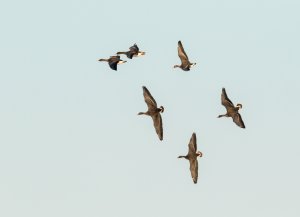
(194, 136)
(114, 67)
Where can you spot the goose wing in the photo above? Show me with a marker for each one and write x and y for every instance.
(194, 169)
(193, 145)
(113, 62)
(237, 118)
(157, 122)
(150, 101)
(113, 58)
(225, 100)
(182, 55)
(134, 48)
(113, 65)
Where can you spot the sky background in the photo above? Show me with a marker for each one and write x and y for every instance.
(71, 143)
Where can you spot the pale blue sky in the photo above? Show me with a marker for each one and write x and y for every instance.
(72, 144)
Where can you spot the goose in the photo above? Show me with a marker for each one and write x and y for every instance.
(154, 112)
(192, 157)
(113, 61)
(185, 63)
(232, 111)
(133, 52)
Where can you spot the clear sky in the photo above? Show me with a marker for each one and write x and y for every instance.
(71, 143)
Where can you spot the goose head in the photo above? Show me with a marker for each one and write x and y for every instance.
(199, 154)
(162, 109)
(176, 66)
(239, 106)
(192, 64)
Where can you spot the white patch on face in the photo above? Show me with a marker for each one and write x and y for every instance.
(199, 153)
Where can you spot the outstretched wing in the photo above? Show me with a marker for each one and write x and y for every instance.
(225, 100)
(237, 118)
(113, 65)
(114, 57)
(130, 54)
(150, 101)
(182, 55)
(194, 169)
(157, 122)
(134, 48)
(113, 62)
(193, 145)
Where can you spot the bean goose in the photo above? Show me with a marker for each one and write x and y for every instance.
(185, 63)
(192, 157)
(113, 61)
(133, 52)
(154, 112)
(232, 111)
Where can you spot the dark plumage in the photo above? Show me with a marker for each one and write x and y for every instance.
(185, 63)
(192, 157)
(232, 111)
(133, 52)
(154, 112)
(113, 61)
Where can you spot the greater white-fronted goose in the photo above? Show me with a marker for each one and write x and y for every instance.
(113, 61)
(232, 111)
(185, 63)
(154, 112)
(192, 157)
(133, 52)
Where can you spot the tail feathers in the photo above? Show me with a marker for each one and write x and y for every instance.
(140, 53)
(121, 61)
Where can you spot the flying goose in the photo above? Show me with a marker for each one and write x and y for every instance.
(185, 63)
(113, 61)
(192, 157)
(154, 112)
(133, 52)
(232, 111)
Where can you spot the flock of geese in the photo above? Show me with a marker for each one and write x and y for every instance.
(154, 111)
